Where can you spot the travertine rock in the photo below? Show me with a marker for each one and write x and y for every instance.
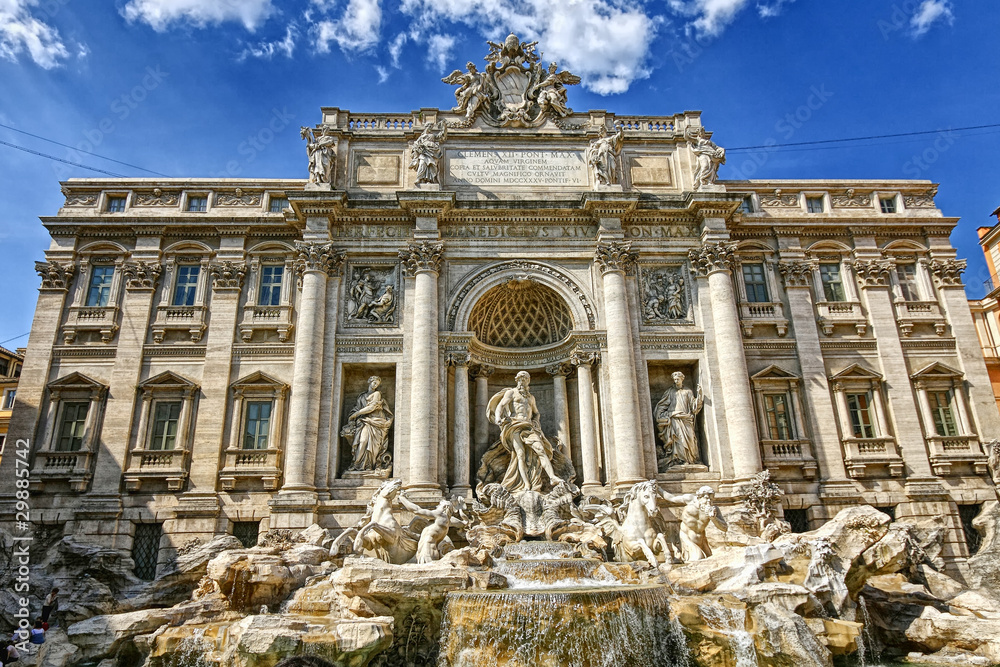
(783, 638)
(985, 564)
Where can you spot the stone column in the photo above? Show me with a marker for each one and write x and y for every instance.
(482, 423)
(423, 262)
(615, 260)
(460, 453)
(559, 373)
(715, 260)
(588, 424)
(315, 263)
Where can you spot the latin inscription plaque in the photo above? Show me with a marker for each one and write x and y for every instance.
(491, 168)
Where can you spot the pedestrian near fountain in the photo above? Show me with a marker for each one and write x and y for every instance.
(50, 604)
(9, 655)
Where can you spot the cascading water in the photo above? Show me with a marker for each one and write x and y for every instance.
(869, 647)
(561, 612)
(732, 623)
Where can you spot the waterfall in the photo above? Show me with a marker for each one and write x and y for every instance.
(732, 623)
(869, 647)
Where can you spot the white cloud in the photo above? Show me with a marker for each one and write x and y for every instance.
(267, 50)
(929, 13)
(383, 73)
(21, 31)
(439, 50)
(396, 48)
(358, 29)
(161, 14)
(711, 17)
(606, 42)
(767, 10)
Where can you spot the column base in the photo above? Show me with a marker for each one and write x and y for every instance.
(622, 486)
(593, 489)
(291, 510)
(423, 491)
(463, 491)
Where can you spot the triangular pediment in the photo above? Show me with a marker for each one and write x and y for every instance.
(76, 380)
(774, 372)
(936, 370)
(257, 379)
(856, 371)
(167, 379)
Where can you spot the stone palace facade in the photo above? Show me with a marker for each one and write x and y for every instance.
(202, 353)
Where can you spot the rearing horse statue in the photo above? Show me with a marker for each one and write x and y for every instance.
(635, 537)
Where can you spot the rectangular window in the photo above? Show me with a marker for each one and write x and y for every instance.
(814, 204)
(278, 204)
(755, 283)
(944, 418)
(860, 408)
(4, 367)
(906, 275)
(186, 286)
(270, 285)
(833, 283)
(100, 285)
(17, 370)
(198, 204)
(116, 204)
(887, 204)
(247, 532)
(8, 399)
(257, 425)
(146, 549)
(798, 519)
(779, 417)
(746, 206)
(165, 418)
(71, 426)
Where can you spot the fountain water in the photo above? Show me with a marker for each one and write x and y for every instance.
(565, 612)
(732, 623)
(869, 647)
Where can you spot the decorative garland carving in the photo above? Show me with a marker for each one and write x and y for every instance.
(777, 200)
(796, 274)
(85, 199)
(925, 200)
(947, 272)
(55, 276)
(156, 198)
(227, 275)
(616, 256)
(873, 272)
(313, 256)
(849, 200)
(141, 275)
(419, 258)
(713, 257)
(237, 198)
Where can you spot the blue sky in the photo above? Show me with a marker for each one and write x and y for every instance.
(181, 87)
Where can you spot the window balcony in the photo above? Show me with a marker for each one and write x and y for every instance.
(949, 452)
(909, 313)
(266, 318)
(102, 319)
(190, 319)
(169, 465)
(70, 467)
(832, 313)
(866, 453)
(251, 464)
(793, 455)
(763, 313)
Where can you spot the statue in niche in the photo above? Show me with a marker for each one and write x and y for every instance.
(368, 430)
(523, 452)
(426, 153)
(675, 419)
(709, 157)
(602, 155)
(322, 155)
(664, 296)
(371, 297)
(698, 512)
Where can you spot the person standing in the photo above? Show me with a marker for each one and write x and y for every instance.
(50, 604)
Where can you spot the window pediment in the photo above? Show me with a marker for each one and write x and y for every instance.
(168, 381)
(936, 371)
(856, 372)
(76, 382)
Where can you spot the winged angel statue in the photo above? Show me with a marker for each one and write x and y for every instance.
(515, 89)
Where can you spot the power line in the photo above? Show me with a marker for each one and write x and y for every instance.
(876, 136)
(59, 159)
(3, 342)
(103, 157)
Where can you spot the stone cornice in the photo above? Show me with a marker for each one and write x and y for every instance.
(610, 204)
(429, 204)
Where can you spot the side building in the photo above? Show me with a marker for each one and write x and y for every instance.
(10, 373)
(986, 311)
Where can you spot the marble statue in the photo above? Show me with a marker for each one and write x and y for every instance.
(426, 153)
(442, 519)
(322, 155)
(368, 430)
(633, 535)
(709, 157)
(514, 410)
(602, 155)
(378, 530)
(993, 452)
(551, 90)
(698, 512)
(675, 415)
(471, 93)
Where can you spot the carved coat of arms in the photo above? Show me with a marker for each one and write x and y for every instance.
(514, 91)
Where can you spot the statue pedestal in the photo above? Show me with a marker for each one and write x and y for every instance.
(367, 474)
(319, 186)
(617, 187)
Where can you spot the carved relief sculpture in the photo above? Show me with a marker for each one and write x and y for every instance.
(322, 155)
(664, 295)
(371, 296)
(602, 156)
(675, 416)
(709, 157)
(367, 430)
(426, 153)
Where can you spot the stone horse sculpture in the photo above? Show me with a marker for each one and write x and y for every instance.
(379, 531)
(634, 537)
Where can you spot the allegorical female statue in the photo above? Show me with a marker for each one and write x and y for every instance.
(675, 416)
(368, 430)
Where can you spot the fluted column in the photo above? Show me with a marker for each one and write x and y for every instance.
(482, 424)
(423, 262)
(314, 264)
(715, 260)
(559, 373)
(615, 260)
(460, 438)
(588, 425)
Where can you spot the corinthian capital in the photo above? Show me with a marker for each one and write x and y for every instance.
(796, 274)
(55, 276)
(141, 275)
(423, 257)
(616, 257)
(227, 275)
(313, 256)
(947, 272)
(873, 272)
(713, 257)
